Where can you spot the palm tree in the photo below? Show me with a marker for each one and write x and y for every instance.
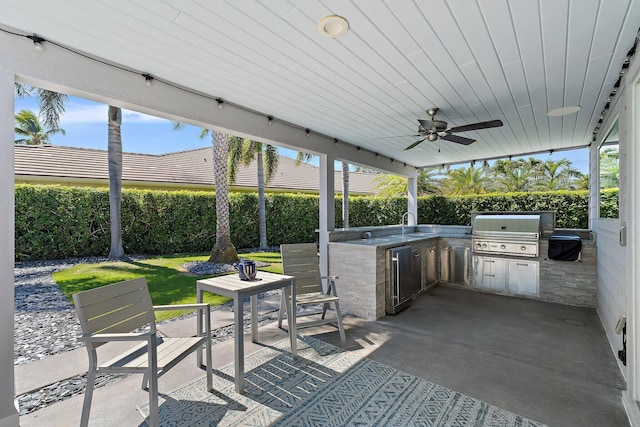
(557, 175)
(582, 183)
(515, 175)
(51, 108)
(28, 126)
(466, 181)
(429, 181)
(223, 250)
(397, 186)
(266, 156)
(389, 186)
(51, 103)
(114, 155)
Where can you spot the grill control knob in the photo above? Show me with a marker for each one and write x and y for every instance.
(484, 245)
(478, 245)
(523, 248)
(503, 247)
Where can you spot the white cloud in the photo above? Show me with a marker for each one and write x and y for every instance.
(133, 116)
(97, 113)
(84, 114)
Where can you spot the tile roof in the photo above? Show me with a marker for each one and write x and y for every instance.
(192, 169)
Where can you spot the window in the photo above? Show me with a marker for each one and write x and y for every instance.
(609, 174)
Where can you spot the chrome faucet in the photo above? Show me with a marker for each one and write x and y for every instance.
(406, 214)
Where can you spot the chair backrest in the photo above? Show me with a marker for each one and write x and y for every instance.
(118, 308)
(301, 260)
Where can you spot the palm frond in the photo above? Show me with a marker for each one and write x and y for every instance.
(51, 107)
(270, 160)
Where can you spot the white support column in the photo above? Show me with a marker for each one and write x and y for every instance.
(412, 199)
(8, 411)
(327, 209)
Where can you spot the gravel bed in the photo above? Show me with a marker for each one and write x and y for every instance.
(46, 323)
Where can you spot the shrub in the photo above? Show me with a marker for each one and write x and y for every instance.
(55, 222)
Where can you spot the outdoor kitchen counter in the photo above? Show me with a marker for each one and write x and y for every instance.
(360, 264)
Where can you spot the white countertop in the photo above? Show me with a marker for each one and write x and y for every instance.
(397, 239)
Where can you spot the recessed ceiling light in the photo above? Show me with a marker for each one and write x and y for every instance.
(563, 111)
(333, 26)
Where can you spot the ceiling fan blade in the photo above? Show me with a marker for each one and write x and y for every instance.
(458, 139)
(414, 144)
(476, 126)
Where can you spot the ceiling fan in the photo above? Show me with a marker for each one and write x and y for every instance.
(433, 129)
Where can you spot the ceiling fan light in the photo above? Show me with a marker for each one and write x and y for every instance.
(333, 26)
(432, 136)
(564, 111)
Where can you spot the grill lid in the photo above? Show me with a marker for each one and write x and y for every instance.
(506, 224)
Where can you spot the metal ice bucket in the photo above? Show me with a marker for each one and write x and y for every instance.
(247, 269)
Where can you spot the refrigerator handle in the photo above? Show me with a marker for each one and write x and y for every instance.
(396, 284)
(466, 266)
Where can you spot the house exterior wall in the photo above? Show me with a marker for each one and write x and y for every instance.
(617, 272)
(611, 263)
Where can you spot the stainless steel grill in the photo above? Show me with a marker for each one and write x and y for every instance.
(508, 234)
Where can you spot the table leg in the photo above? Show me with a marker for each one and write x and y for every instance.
(291, 319)
(199, 329)
(239, 343)
(254, 318)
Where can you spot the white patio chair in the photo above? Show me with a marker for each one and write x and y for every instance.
(110, 313)
(301, 260)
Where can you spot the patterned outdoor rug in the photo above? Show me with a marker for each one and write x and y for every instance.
(324, 386)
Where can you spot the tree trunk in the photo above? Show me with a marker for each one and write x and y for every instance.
(223, 250)
(262, 212)
(345, 195)
(115, 181)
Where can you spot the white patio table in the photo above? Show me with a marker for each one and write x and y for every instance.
(231, 286)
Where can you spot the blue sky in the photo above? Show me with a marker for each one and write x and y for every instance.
(85, 123)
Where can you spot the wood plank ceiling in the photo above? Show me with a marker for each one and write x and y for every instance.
(475, 60)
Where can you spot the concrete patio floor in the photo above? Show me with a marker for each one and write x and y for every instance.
(548, 362)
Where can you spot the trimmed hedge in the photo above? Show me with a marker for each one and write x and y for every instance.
(59, 222)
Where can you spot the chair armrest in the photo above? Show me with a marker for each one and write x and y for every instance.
(198, 306)
(331, 288)
(132, 336)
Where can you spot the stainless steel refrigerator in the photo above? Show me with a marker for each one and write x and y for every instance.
(403, 278)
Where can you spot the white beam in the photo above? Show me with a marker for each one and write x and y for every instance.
(327, 210)
(63, 71)
(8, 410)
(412, 199)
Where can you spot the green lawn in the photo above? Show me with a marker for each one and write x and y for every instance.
(168, 282)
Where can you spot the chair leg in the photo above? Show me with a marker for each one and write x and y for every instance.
(152, 375)
(209, 366)
(145, 381)
(283, 308)
(325, 307)
(154, 416)
(343, 338)
(88, 395)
